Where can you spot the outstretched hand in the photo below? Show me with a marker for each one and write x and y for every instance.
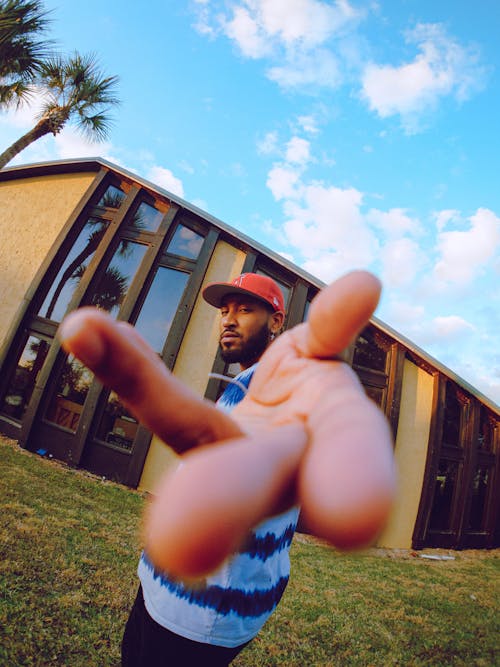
(306, 432)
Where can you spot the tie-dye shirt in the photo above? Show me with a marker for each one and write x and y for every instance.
(232, 604)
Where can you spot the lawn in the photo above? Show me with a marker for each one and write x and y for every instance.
(69, 548)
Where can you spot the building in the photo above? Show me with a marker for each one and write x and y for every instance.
(87, 232)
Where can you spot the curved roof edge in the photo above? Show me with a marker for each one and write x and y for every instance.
(75, 165)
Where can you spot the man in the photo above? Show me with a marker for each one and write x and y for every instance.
(217, 619)
(304, 432)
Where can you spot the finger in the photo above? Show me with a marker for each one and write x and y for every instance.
(339, 312)
(346, 484)
(123, 361)
(203, 511)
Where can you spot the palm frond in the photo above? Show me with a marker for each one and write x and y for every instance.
(95, 127)
(22, 48)
(21, 17)
(16, 92)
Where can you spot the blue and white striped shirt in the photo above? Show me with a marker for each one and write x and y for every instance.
(231, 605)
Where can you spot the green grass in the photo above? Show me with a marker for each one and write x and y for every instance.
(69, 548)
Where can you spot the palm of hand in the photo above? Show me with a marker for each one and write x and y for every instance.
(288, 386)
(305, 432)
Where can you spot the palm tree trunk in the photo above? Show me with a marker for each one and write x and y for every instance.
(41, 128)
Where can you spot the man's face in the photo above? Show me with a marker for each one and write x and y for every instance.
(246, 325)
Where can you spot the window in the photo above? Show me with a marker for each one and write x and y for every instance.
(112, 198)
(370, 361)
(147, 218)
(185, 243)
(479, 495)
(452, 417)
(23, 381)
(369, 352)
(486, 431)
(59, 295)
(70, 393)
(445, 483)
(113, 284)
(117, 426)
(160, 306)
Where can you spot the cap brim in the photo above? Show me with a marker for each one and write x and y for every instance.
(215, 293)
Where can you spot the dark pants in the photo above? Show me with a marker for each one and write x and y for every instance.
(147, 644)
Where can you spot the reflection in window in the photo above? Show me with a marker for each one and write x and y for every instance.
(117, 426)
(22, 384)
(112, 198)
(368, 353)
(478, 498)
(451, 418)
(70, 393)
(72, 270)
(115, 281)
(486, 431)
(158, 311)
(146, 218)
(185, 242)
(444, 488)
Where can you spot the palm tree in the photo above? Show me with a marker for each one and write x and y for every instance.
(22, 51)
(74, 89)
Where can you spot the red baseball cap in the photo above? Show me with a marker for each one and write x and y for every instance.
(249, 284)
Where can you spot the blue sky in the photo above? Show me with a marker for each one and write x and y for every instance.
(342, 135)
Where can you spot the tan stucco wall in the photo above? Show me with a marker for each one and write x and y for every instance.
(33, 211)
(410, 454)
(196, 354)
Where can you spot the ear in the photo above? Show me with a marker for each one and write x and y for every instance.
(276, 321)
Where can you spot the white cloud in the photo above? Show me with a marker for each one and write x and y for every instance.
(295, 35)
(304, 69)
(282, 181)
(71, 144)
(451, 326)
(326, 222)
(401, 262)
(308, 124)
(268, 145)
(308, 22)
(165, 179)
(394, 223)
(442, 67)
(202, 22)
(23, 118)
(246, 32)
(443, 218)
(463, 255)
(404, 313)
(298, 151)
(330, 265)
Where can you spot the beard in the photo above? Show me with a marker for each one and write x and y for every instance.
(251, 351)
